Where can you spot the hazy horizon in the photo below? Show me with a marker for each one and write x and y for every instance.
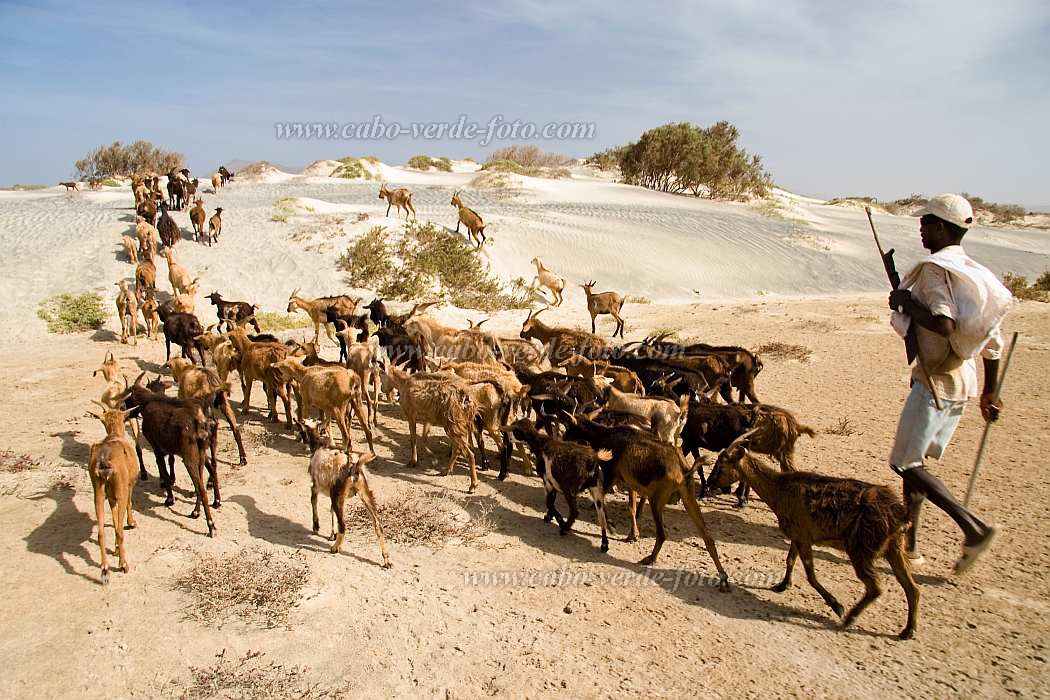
(838, 101)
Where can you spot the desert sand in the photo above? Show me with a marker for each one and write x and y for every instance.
(723, 273)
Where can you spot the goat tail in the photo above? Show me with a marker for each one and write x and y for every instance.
(806, 430)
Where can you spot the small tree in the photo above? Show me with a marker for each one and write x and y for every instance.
(117, 160)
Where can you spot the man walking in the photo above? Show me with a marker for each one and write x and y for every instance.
(957, 306)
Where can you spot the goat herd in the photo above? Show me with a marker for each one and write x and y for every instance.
(593, 415)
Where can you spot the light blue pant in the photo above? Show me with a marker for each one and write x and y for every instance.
(923, 431)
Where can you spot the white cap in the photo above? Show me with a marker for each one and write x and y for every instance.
(952, 208)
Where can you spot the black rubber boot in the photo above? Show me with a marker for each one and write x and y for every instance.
(917, 479)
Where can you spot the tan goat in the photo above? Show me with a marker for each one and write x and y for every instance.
(112, 466)
(197, 217)
(341, 474)
(604, 303)
(471, 219)
(178, 275)
(400, 198)
(546, 278)
(332, 390)
(361, 359)
(439, 402)
(317, 310)
(562, 343)
(215, 225)
(216, 182)
(131, 250)
(204, 384)
(146, 235)
(186, 301)
(666, 417)
(256, 364)
(145, 277)
(149, 313)
(128, 313)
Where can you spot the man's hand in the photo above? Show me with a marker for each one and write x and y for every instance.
(989, 409)
(898, 298)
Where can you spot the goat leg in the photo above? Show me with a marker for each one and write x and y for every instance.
(698, 520)
(213, 466)
(574, 512)
(337, 496)
(598, 497)
(656, 505)
(786, 582)
(100, 514)
(552, 512)
(806, 552)
(231, 419)
(865, 570)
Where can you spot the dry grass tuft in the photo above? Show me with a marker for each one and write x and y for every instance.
(844, 427)
(249, 677)
(433, 518)
(252, 584)
(784, 351)
(14, 462)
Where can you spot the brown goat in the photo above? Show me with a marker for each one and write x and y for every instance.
(113, 468)
(197, 217)
(128, 313)
(604, 303)
(256, 363)
(471, 219)
(215, 226)
(562, 343)
(331, 390)
(864, 520)
(400, 198)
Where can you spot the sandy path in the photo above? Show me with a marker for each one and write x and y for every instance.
(419, 629)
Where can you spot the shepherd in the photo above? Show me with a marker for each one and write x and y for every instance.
(957, 306)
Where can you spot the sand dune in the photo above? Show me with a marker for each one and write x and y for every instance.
(665, 247)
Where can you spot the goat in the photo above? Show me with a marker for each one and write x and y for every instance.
(146, 235)
(112, 397)
(111, 465)
(546, 278)
(204, 385)
(130, 249)
(256, 363)
(471, 219)
(215, 226)
(453, 343)
(520, 353)
(178, 427)
(604, 303)
(128, 313)
(773, 432)
(361, 359)
(317, 310)
(400, 348)
(439, 402)
(70, 186)
(145, 277)
(186, 302)
(177, 194)
(216, 182)
(864, 520)
(621, 378)
(652, 469)
(330, 390)
(150, 312)
(562, 343)
(197, 217)
(664, 415)
(225, 174)
(169, 231)
(400, 198)
(377, 312)
(743, 364)
(339, 474)
(568, 468)
(181, 329)
(233, 312)
(147, 211)
(178, 275)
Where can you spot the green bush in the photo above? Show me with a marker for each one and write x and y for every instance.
(528, 157)
(110, 182)
(503, 166)
(609, 159)
(685, 158)
(270, 321)
(351, 168)
(424, 162)
(367, 261)
(427, 261)
(1043, 283)
(69, 313)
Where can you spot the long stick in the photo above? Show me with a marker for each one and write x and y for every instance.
(912, 337)
(988, 424)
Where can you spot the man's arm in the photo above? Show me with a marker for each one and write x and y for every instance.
(941, 325)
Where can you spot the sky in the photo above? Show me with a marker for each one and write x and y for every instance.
(839, 98)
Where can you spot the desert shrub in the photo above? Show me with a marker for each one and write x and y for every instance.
(283, 209)
(609, 159)
(270, 321)
(528, 156)
(853, 200)
(110, 182)
(248, 677)
(426, 260)
(431, 519)
(351, 168)
(637, 299)
(1043, 282)
(367, 260)
(1000, 213)
(490, 181)
(1019, 287)
(118, 160)
(784, 351)
(502, 166)
(72, 313)
(685, 158)
(252, 583)
(24, 188)
(424, 162)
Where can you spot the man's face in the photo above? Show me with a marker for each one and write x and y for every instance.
(934, 234)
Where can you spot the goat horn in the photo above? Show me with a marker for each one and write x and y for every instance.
(138, 379)
(542, 397)
(101, 405)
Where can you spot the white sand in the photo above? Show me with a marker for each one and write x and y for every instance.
(665, 247)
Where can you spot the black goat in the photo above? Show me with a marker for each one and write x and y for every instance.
(378, 313)
(233, 312)
(178, 427)
(567, 468)
(167, 229)
(181, 329)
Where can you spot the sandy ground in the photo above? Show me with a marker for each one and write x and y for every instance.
(420, 627)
